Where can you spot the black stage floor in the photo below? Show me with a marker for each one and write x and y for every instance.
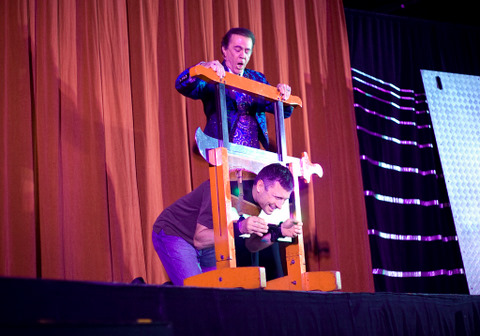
(52, 307)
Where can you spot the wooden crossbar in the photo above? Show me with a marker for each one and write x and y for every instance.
(243, 84)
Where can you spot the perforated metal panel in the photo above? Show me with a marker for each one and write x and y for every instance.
(454, 104)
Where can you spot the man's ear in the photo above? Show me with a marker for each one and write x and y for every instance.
(223, 51)
(260, 186)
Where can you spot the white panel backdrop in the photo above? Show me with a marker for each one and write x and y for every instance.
(454, 104)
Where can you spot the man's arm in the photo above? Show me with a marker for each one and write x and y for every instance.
(190, 87)
(256, 243)
(285, 92)
(203, 238)
(289, 228)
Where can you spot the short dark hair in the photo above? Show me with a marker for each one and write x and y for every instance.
(238, 31)
(276, 172)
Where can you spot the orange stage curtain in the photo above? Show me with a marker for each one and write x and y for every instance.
(95, 141)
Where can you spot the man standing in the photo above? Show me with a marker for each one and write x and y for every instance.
(183, 233)
(247, 123)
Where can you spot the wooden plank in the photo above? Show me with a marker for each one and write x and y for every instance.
(243, 84)
(295, 257)
(241, 277)
(221, 209)
(283, 283)
(325, 281)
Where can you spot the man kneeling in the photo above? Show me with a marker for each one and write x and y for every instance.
(183, 234)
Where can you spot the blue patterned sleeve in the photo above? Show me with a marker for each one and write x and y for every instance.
(189, 86)
(287, 111)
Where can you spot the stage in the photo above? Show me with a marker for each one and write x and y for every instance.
(52, 307)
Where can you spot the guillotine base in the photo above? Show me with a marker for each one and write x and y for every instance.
(325, 281)
(244, 277)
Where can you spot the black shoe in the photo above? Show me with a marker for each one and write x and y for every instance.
(138, 281)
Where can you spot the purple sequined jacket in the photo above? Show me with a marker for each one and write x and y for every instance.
(196, 88)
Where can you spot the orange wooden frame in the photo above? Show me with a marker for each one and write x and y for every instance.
(227, 274)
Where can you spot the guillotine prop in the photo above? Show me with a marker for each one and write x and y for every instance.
(224, 158)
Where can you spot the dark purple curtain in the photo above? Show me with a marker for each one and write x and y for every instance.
(412, 233)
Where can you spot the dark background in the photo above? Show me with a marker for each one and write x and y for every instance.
(393, 43)
(460, 11)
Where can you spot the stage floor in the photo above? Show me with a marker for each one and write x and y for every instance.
(52, 307)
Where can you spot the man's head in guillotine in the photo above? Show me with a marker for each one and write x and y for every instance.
(237, 47)
(272, 187)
